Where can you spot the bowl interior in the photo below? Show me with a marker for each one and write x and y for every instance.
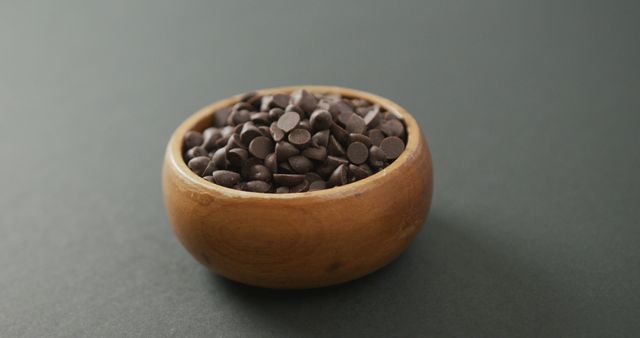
(204, 119)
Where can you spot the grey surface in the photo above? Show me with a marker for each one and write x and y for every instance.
(532, 110)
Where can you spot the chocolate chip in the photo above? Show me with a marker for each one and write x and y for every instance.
(275, 113)
(247, 165)
(235, 142)
(323, 105)
(377, 157)
(315, 153)
(237, 129)
(226, 178)
(325, 170)
(265, 131)
(296, 109)
(249, 132)
(392, 146)
(252, 98)
(312, 177)
(261, 146)
(320, 120)
(334, 148)
(284, 150)
(343, 118)
(360, 138)
(238, 117)
(362, 111)
(271, 162)
(317, 185)
(356, 124)
(285, 168)
(374, 110)
(210, 136)
(376, 136)
(288, 179)
(330, 164)
(320, 139)
(282, 190)
(199, 164)
(261, 118)
(300, 164)
(331, 98)
(260, 173)
(338, 177)
(209, 178)
(211, 167)
(299, 137)
(258, 186)
(266, 103)
(288, 121)
(220, 117)
(372, 118)
(357, 153)
(366, 168)
(227, 131)
(304, 100)
(222, 142)
(192, 139)
(241, 106)
(248, 96)
(359, 102)
(195, 152)
(392, 115)
(392, 128)
(340, 107)
(302, 187)
(276, 133)
(280, 100)
(237, 157)
(304, 124)
(358, 172)
(340, 134)
(219, 158)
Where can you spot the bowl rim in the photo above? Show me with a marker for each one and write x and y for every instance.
(175, 156)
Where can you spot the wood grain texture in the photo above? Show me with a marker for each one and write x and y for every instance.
(301, 240)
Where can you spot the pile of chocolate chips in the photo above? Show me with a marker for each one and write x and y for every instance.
(295, 143)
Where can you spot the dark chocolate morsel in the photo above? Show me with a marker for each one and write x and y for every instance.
(393, 146)
(299, 137)
(199, 164)
(261, 146)
(288, 121)
(317, 185)
(284, 150)
(225, 178)
(258, 186)
(321, 138)
(338, 177)
(192, 139)
(288, 179)
(315, 153)
(357, 153)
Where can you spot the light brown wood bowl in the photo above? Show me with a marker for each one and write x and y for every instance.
(299, 240)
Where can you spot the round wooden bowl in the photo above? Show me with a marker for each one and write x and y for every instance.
(299, 240)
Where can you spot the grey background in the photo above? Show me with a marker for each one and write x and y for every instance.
(532, 110)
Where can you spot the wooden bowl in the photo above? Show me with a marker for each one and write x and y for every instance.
(299, 240)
